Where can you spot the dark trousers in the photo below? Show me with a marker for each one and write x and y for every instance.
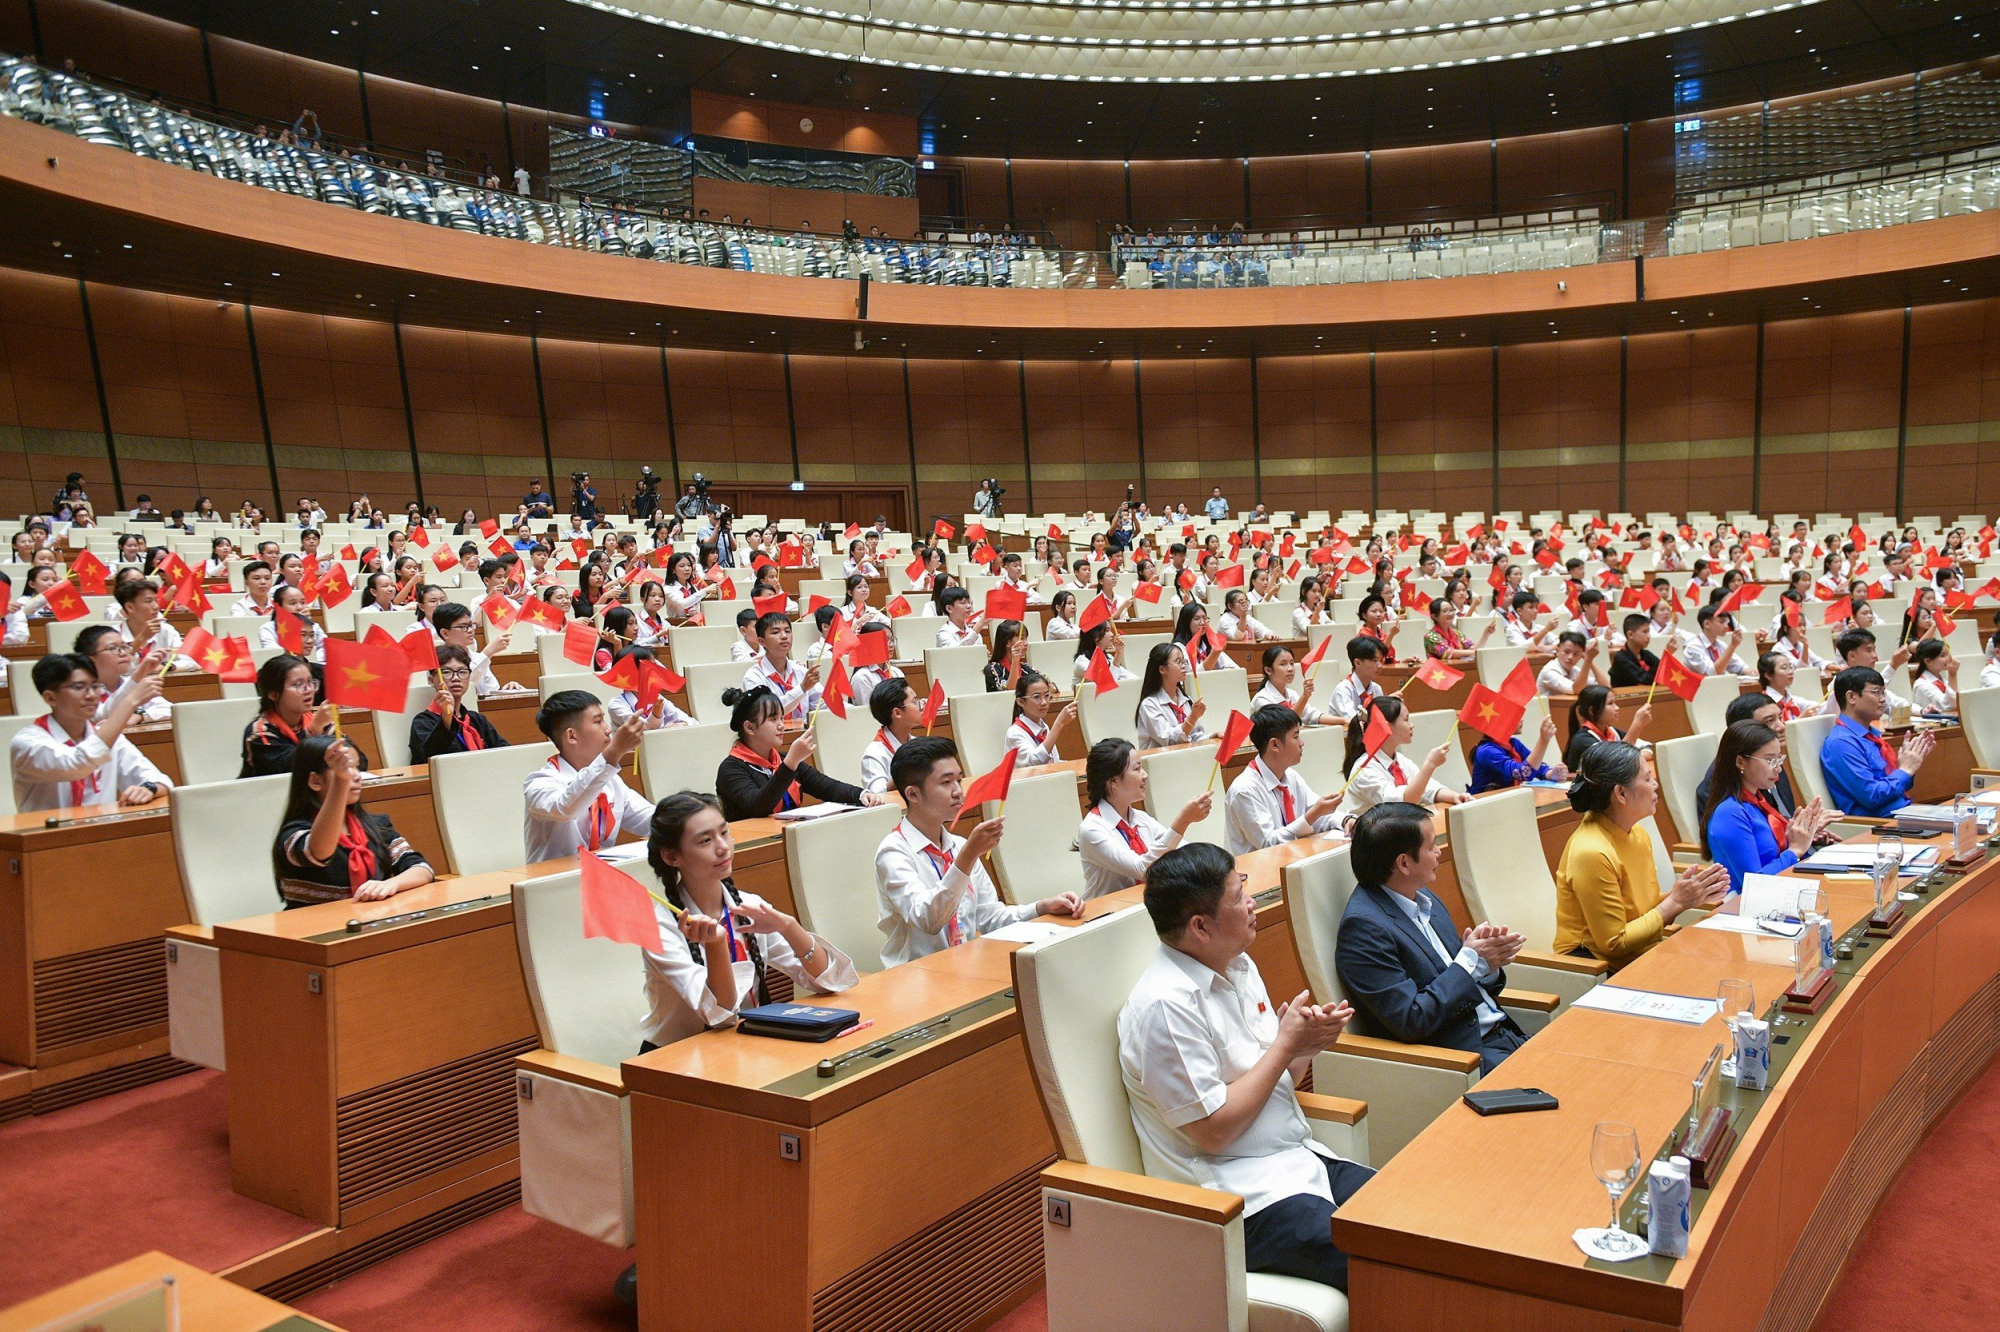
(1496, 1045)
(1294, 1236)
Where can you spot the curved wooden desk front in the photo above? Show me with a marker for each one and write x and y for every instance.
(1470, 1224)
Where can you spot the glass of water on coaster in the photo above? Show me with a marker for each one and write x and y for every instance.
(1614, 1158)
(1734, 999)
(1888, 873)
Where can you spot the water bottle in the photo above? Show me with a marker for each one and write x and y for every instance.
(1815, 923)
(1669, 1189)
(1888, 869)
(1964, 828)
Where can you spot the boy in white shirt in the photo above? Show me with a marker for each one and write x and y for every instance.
(1269, 802)
(578, 798)
(1574, 666)
(1364, 657)
(70, 758)
(958, 629)
(111, 657)
(746, 647)
(256, 598)
(796, 686)
(931, 888)
(898, 709)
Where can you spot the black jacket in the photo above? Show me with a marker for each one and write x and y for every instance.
(429, 737)
(748, 792)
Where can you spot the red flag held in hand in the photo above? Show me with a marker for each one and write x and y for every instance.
(579, 642)
(655, 679)
(65, 601)
(1005, 603)
(225, 658)
(443, 558)
(1234, 732)
(1436, 675)
(870, 649)
(772, 605)
(1099, 672)
(419, 650)
(291, 631)
(1492, 714)
(336, 587)
(1676, 678)
(1378, 731)
(419, 537)
(488, 527)
(838, 688)
(1229, 575)
(615, 906)
(992, 785)
(500, 612)
(933, 704)
(914, 569)
(898, 607)
(1519, 686)
(1312, 658)
(542, 614)
(1096, 613)
(90, 573)
(367, 675)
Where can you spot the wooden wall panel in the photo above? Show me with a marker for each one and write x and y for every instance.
(967, 419)
(1313, 427)
(49, 417)
(1071, 198)
(1530, 393)
(1949, 463)
(1831, 394)
(1324, 183)
(1198, 429)
(1456, 175)
(1434, 428)
(257, 81)
(1083, 433)
(17, 29)
(729, 415)
(1586, 161)
(1166, 191)
(478, 424)
(469, 131)
(851, 422)
(335, 399)
(118, 42)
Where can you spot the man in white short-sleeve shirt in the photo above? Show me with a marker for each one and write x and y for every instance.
(1210, 1063)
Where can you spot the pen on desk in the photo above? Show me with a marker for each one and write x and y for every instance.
(863, 1025)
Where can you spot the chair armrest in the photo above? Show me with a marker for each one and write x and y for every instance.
(1534, 1000)
(1686, 849)
(1587, 966)
(1160, 1195)
(1860, 822)
(201, 934)
(568, 1068)
(1427, 1056)
(1334, 1109)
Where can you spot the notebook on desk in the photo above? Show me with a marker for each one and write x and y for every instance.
(796, 1022)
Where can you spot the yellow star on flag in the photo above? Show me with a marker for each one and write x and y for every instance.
(1486, 712)
(215, 656)
(359, 675)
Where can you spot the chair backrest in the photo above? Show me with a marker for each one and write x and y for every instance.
(1663, 857)
(1681, 764)
(693, 644)
(223, 835)
(62, 634)
(28, 701)
(1176, 776)
(1324, 749)
(979, 724)
(1441, 728)
(1495, 663)
(589, 995)
(1316, 893)
(832, 865)
(548, 686)
(208, 737)
(392, 729)
(1038, 860)
(1979, 711)
(914, 633)
(1803, 738)
(1502, 874)
(1114, 713)
(683, 758)
(1224, 692)
(706, 682)
(9, 725)
(481, 814)
(1708, 709)
(549, 658)
(963, 669)
(1070, 990)
(842, 740)
(395, 623)
(1055, 658)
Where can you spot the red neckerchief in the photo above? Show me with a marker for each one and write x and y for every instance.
(1788, 708)
(361, 865)
(468, 734)
(1127, 831)
(600, 831)
(790, 800)
(1609, 733)
(1780, 825)
(954, 933)
(1028, 729)
(1180, 713)
(76, 788)
(273, 719)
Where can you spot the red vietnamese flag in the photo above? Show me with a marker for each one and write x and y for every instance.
(335, 588)
(1004, 603)
(1378, 731)
(852, 531)
(1096, 613)
(726, 589)
(499, 548)
(1876, 591)
(419, 537)
(500, 612)
(367, 675)
(976, 532)
(65, 602)
(419, 650)
(815, 601)
(173, 568)
(791, 555)
(1147, 592)
(1496, 576)
(914, 569)
(443, 558)
(7, 594)
(90, 573)
(1476, 531)
(868, 650)
(992, 785)
(771, 605)
(1957, 601)
(758, 559)
(1230, 575)
(1943, 623)
(1990, 588)
(1436, 675)
(377, 636)
(347, 552)
(898, 607)
(834, 693)
(1546, 557)
(933, 704)
(488, 526)
(943, 530)
(1676, 678)
(1312, 658)
(1234, 732)
(1641, 597)
(1055, 533)
(1793, 615)
(1321, 555)
(623, 674)
(1493, 715)
(579, 643)
(1745, 594)
(1285, 546)
(222, 657)
(1357, 565)
(1293, 572)
(1456, 557)
(189, 595)
(655, 679)
(542, 614)
(616, 907)
(291, 631)
(1519, 686)
(1099, 671)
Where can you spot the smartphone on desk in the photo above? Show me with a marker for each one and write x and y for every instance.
(1510, 1100)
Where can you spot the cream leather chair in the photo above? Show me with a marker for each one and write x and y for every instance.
(392, 729)
(706, 683)
(1106, 715)
(1681, 764)
(1176, 776)
(394, 623)
(1037, 858)
(963, 669)
(1803, 738)
(550, 685)
(61, 635)
(21, 690)
(1139, 1252)
(979, 724)
(481, 814)
(1494, 664)
(1979, 712)
(1440, 728)
(832, 866)
(1324, 749)
(208, 737)
(1055, 658)
(915, 633)
(1708, 710)
(223, 834)
(1224, 692)
(1505, 878)
(570, 1100)
(842, 740)
(9, 725)
(695, 644)
(682, 758)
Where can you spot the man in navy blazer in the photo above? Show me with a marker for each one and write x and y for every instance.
(1406, 969)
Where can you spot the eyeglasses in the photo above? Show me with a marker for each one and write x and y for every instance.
(83, 687)
(455, 673)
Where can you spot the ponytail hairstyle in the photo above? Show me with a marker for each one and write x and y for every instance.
(1590, 701)
(1107, 759)
(670, 821)
(1029, 676)
(1391, 709)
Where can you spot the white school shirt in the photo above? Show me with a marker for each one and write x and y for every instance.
(875, 761)
(1989, 674)
(155, 709)
(923, 909)
(679, 1003)
(862, 567)
(648, 630)
(1378, 778)
(863, 680)
(484, 682)
(1783, 647)
(1302, 618)
(684, 602)
(35, 608)
(1160, 724)
(1109, 862)
(1931, 694)
(247, 605)
(1348, 696)
(1700, 656)
(560, 801)
(1271, 695)
(1059, 628)
(742, 651)
(1118, 673)
(789, 686)
(51, 771)
(625, 702)
(1229, 626)
(1033, 742)
(1185, 1034)
(950, 635)
(267, 637)
(1257, 814)
(1519, 633)
(1555, 680)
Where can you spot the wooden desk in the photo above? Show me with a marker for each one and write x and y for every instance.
(1912, 1023)
(207, 1303)
(513, 716)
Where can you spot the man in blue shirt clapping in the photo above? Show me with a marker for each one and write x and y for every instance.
(1864, 775)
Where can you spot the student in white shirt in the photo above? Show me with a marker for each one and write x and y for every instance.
(1856, 647)
(32, 605)
(454, 624)
(1269, 802)
(861, 680)
(1311, 609)
(1166, 715)
(1364, 658)
(856, 609)
(716, 954)
(1989, 671)
(651, 616)
(1574, 665)
(796, 686)
(858, 562)
(1062, 616)
(1517, 622)
(931, 888)
(957, 629)
(312, 638)
(112, 658)
(1011, 579)
(256, 598)
(1113, 643)
(1280, 670)
(1033, 731)
(1237, 624)
(1210, 1063)
(578, 798)
(69, 757)
(1117, 840)
(141, 624)
(625, 703)
(1791, 644)
(898, 711)
(746, 647)
(1385, 775)
(1934, 677)
(1713, 650)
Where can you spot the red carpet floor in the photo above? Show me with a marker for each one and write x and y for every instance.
(107, 1180)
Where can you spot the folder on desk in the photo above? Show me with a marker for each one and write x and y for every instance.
(796, 1022)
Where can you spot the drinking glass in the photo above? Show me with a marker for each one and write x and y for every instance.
(1614, 1158)
(1734, 998)
(1888, 869)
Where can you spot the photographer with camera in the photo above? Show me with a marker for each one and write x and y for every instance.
(694, 503)
(583, 497)
(987, 502)
(646, 497)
